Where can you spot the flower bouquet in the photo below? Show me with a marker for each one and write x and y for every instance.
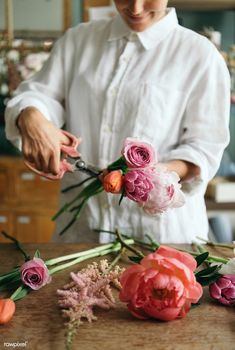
(136, 176)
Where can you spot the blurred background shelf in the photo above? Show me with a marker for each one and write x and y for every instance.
(203, 5)
(212, 205)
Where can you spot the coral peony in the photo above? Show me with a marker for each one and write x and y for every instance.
(223, 290)
(162, 286)
(35, 274)
(138, 184)
(113, 181)
(138, 154)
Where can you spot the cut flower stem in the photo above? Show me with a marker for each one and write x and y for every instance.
(114, 248)
(87, 252)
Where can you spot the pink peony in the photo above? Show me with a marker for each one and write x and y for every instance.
(166, 193)
(35, 274)
(162, 286)
(138, 184)
(138, 154)
(223, 290)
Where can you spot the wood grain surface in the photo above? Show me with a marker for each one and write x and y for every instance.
(38, 324)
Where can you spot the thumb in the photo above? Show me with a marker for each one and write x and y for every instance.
(64, 140)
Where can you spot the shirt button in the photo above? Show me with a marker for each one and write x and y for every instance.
(107, 128)
(132, 37)
(106, 206)
(124, 59)
(113, 91)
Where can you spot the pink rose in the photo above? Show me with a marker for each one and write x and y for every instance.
(223, 290)
(138, 154)
(35, 274)
(138, 184)
(166, 193)
(162, 286)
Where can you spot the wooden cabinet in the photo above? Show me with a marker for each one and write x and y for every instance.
(27, 202)
(203, 4)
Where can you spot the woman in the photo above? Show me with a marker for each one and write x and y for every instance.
(139, 74)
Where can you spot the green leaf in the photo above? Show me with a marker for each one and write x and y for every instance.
(89, 190)
(121, 198)
(120, 163)
(206, 281)
(135, 259)
(60, 211)
(154, 244)
(20, 293)
(11, 285)
(8, 277)
(37, 254)
(195, 305)
(15, 269)
(208, 271)
(201, 258)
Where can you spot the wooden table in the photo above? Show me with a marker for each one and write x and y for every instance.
(39, 324)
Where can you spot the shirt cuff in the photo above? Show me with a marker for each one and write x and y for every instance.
(198, 182)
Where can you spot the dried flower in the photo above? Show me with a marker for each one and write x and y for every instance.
(90, 287)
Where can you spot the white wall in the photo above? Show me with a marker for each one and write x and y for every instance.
(35, 14)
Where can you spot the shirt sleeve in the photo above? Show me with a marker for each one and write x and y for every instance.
(205, 128)
(45, 91)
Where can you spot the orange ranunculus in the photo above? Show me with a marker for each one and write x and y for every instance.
(162, 286)
(113, 181)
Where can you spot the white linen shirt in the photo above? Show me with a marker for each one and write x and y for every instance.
(168, 86)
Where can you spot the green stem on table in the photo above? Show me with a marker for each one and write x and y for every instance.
(18, 245)
(123, 243)
(98, 249)
(116, 247)
(137, 241)
(215, 244)
(211, 258)
(115, 260)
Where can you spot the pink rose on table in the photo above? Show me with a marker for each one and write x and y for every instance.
(162, 286)
(138, 154)
(138, 184)
(35, 274)
(223, 290)
(165, 194)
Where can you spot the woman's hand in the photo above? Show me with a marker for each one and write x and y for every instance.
(41, 140)
(185, 170)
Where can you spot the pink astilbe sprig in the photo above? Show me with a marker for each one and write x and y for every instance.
(89, 288)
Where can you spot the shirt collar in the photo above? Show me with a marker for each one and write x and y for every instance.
(150, 37)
